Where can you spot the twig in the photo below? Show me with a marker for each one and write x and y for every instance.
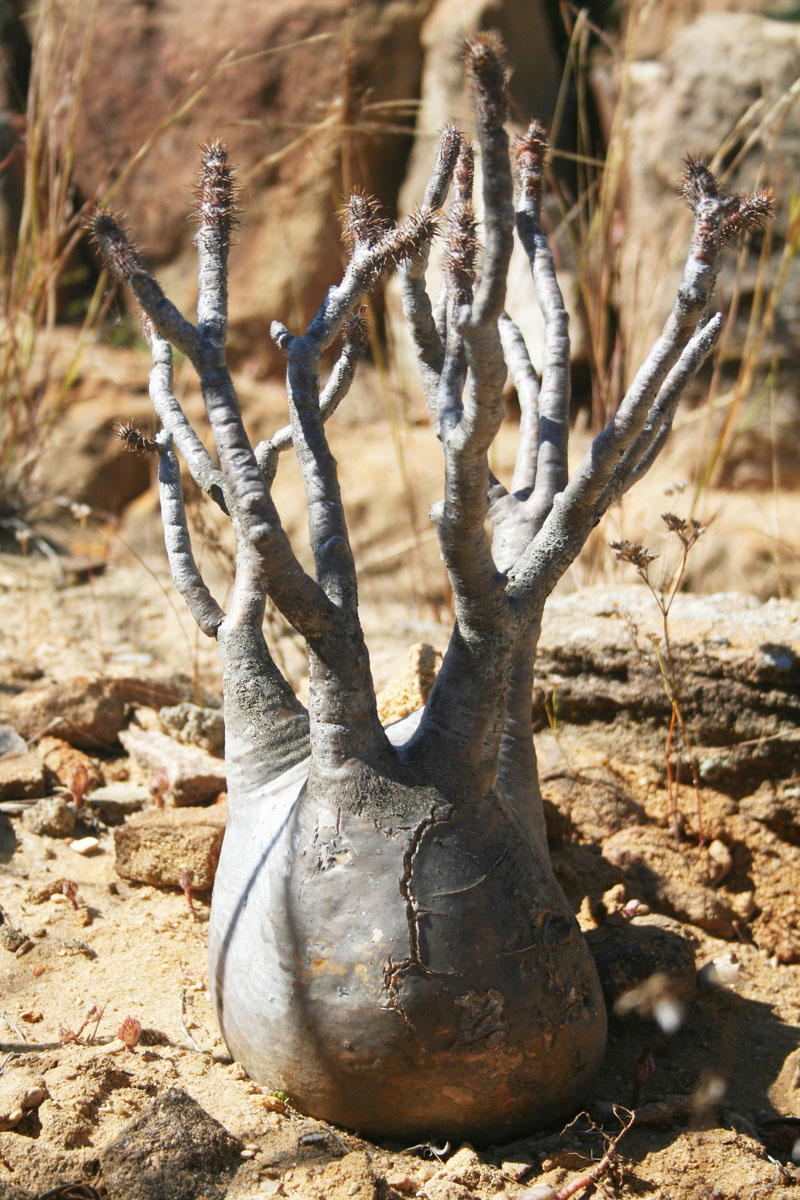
(592, 1175)
(14, 1026)
(184, 1028)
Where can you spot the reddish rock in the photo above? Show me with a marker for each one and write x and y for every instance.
(155, 846)
(88, 712)
(22, 776)
(669, 880)
(193, 776)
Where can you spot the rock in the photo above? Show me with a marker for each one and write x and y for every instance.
(680, 98)
(88, 712)
(176, 1149)
(85, 846)
(11, 742)
(741, 680)
(116, 800)
(62, 760)
(55, 816)
(629, 954)
(196, 726)
(98, 469)
(156, 845)
(22, 776)
(408, 690)
(289, 246)
(194, 776)
(535, 75)
(669, 880)
(19, 1093)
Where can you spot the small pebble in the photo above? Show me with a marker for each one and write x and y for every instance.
(86, 845)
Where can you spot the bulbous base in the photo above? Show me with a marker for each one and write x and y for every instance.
(410, 976)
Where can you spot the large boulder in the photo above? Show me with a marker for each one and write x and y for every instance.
(724, 87)
(324, 75)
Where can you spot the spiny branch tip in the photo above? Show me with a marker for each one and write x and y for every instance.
(118, 252)
(216, 207)
(486, 67)
(362, 222)
(529, 153)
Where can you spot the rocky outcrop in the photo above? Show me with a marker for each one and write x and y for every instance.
(722, 86)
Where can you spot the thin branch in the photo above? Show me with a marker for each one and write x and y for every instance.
(202, 467)
(551, 470)
(417, 307)
(335, 390)
(188, 580)
(526, 381)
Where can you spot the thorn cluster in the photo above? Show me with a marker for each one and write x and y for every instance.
(355, 331)
(735, 212)
(447, 149)
(133, 438)
(408, 239)
(363, 224)
(486, 67)
(464, 173)
(117, 250)
(462, 242)
(530, 155)
(216, 207)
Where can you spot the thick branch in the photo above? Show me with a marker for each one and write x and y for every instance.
(257, 697)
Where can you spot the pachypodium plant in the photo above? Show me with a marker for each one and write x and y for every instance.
(388, 943)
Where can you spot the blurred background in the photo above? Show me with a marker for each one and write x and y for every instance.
(108, 101)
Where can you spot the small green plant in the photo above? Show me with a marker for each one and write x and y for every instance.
(672, 669)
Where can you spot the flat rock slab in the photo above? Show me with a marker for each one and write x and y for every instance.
(175, 1149)
(22, 777)
(88, 712)
(156, 845)
(739, 659)
(193, 775)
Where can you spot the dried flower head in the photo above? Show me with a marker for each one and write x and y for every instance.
(116, 248)
(687, 530)
(130, 1031)
(486, 68)
(634, 553)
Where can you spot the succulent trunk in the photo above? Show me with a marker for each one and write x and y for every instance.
(393, 950)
